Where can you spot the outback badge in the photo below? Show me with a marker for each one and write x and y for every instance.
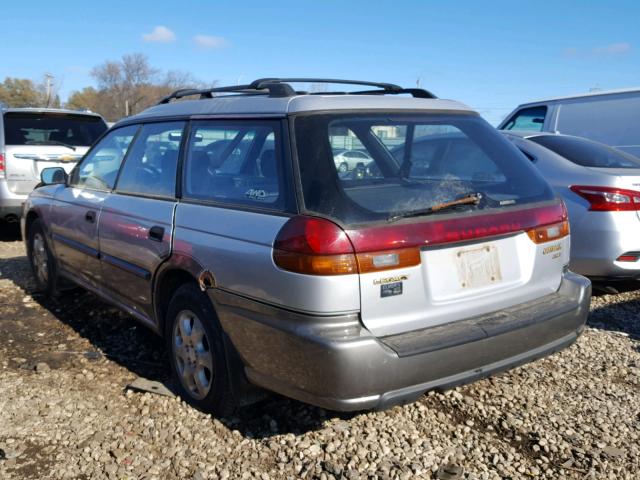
(390, 286)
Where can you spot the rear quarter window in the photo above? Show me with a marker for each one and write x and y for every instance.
(586, 152)
(235, 163)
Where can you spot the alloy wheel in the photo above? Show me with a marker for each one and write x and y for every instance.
(192, 354)
(40, 258)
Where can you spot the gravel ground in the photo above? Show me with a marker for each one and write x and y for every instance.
(65, 411)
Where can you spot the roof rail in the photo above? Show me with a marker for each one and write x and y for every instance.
(279, 87)
(385, 88)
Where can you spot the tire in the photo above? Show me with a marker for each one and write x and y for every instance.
(196, 350)
(43, 263)
(343, 167)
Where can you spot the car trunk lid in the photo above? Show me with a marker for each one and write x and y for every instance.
(24, 163)
(467, 266)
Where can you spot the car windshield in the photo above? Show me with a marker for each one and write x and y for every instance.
(408, 163)
(38, 128)
(586, 152)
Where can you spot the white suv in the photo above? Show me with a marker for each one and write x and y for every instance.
(32, 139)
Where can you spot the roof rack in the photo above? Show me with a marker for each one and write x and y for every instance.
(279, 87)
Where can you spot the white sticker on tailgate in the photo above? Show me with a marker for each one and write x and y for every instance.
(478, 266)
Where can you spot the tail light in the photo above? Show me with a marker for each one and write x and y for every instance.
(629, 257)
(549, 232)
(553, 231)
(608, 199)
(3, 166)
(314, 246)
(317, 246)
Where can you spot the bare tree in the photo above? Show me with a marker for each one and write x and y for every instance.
(129, 85)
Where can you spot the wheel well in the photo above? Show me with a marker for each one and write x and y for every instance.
(30, 218)
(169, 283)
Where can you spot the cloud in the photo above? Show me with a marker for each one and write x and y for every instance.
(160, 34)
(209, 41)
(613, 49)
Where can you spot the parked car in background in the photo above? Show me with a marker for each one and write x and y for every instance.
(610, 117)
(32, 139)
(222, 224)
(600, 186)
(347, 160)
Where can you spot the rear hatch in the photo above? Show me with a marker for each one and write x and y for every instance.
(423, 260)
(38, 140)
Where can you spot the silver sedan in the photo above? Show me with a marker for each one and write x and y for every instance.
(601, 189)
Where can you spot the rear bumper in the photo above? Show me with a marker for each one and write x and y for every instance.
(335, 363)
(599, 238)
(10, 203)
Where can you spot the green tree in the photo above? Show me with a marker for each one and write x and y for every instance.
(20, 92)
(87, 99)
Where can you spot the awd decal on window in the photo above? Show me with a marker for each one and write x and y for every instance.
(255, 194)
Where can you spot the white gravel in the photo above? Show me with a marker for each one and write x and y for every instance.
(66, 414)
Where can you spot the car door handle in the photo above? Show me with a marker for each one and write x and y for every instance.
(90, 216)
(156, 233)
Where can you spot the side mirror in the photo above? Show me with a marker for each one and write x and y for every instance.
(53, 176)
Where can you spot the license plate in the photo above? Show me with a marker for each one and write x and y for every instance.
(478, 267)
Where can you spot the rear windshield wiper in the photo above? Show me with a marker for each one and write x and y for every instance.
(469, 199)
(51, 142)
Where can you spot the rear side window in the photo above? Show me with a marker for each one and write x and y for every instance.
(151, 166)
(587, 153)
(235, 163)
(99, 168)
(52, 129)
(420, 161)
(528, 119)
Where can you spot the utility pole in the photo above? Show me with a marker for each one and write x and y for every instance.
(48, 83)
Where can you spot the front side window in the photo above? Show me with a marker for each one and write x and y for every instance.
(151, 166)
(99, 169)
(528, 119)
(420, 161)
(236, 163)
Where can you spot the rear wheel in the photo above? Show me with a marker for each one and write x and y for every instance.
(343, 167)
(198, 359)
(43, 264)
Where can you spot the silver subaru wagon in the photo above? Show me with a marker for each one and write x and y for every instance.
(224, 224)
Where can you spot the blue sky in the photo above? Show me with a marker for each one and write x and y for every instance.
(490, 55)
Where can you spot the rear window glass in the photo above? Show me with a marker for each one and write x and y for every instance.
(587, 153)
(52, 129)
(410, 163)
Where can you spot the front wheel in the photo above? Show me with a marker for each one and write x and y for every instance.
(43, 264)
(198, 360)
